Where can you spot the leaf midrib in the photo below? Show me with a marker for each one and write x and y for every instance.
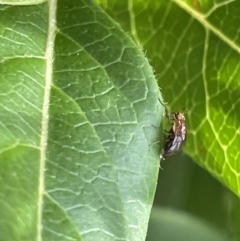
(52, 7)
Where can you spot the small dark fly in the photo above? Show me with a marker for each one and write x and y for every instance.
(176, 137)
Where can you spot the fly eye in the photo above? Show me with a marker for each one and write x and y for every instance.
(176, 115)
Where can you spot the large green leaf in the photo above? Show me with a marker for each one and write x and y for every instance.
(78, 118)
(195, 50)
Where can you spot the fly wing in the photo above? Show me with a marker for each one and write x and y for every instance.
(173, 144)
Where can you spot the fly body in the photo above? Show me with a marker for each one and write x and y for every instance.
(176, 136)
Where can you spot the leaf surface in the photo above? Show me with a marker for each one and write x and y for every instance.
(78, 110)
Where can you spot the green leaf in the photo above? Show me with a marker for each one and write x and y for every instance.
(78, 116)
(195, 50)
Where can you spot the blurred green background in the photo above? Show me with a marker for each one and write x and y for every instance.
(190, 204)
